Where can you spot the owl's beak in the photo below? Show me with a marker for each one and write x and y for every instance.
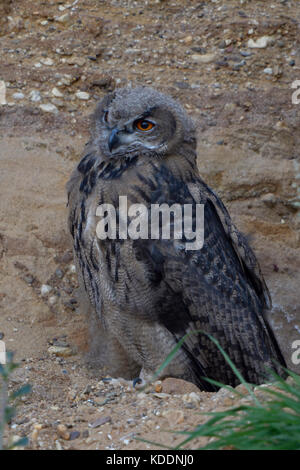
(114, 140)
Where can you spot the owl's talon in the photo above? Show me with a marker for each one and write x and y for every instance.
(138, 383)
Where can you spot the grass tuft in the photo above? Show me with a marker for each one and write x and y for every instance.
(271, 425)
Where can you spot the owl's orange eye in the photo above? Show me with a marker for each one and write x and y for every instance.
(143, 125)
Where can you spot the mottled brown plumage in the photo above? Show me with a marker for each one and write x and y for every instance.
(147, 294)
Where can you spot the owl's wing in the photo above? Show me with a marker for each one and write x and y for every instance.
(238, 242)
(218, 289)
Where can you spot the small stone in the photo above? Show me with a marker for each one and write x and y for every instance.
(188, 40)
(141, 395)
(56, 92)
(63, 18)
(72, 269)
(60, 351)
(178, 386)
(261, 42)
(100, 421)
(18, 96)
(53, 299)
(269, 199)
(2, 92)
(15, 439)
(158, 388)
(36, 429)
(58, 445)
(74, 435)
(45, 289)
(173, 416)
(82, 95)
(49, 108)
(161, 396)
(242, 389)
(59, 273)
(35, 96)
(245, 53)
(80, 61)
(57, 102)
(28, 279)
(47, 61)
(230, 107)
(239, 65)
(63, 432)
(228, 401)
(292, 63)
(192, 397)
(268, 71)
(203, 58)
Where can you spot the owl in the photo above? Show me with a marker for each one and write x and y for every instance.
(145, 293)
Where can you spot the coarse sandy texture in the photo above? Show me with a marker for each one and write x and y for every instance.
(248, 147)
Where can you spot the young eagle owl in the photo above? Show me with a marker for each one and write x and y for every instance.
(147, 293)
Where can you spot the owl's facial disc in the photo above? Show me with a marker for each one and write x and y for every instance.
(133, 135)
(129, 135)
(151, 131)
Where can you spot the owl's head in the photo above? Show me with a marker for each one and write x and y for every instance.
(140, 120)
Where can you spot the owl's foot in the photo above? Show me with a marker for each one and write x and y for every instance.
(139, 383)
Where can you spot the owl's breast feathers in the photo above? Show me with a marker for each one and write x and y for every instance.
(218, 289)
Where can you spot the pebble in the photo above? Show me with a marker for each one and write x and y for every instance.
(60, 351)
(239, 65)
(47, 61)
(35, 96)
(45, 289)
(58, 445)
(269, 199)
(80, 61)
(192, 397)
(161, 395)
(18, 96)
(74, 435)
(36, 429)
(72, 269)
(261, 42)
(82, 95)
(268, 71)
(59, 273)
(245, 53)
(242, 389)
(53, 299)
(49, 108)
(66, 80)
(2, 92)
(100, 421)
(171, 385)
(28, 279)
(56, 92)
(63, 18)
(63, 432)
(188, 40)
(203, 58)
(173, 416)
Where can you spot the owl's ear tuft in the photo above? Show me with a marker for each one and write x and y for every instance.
(102, 107)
